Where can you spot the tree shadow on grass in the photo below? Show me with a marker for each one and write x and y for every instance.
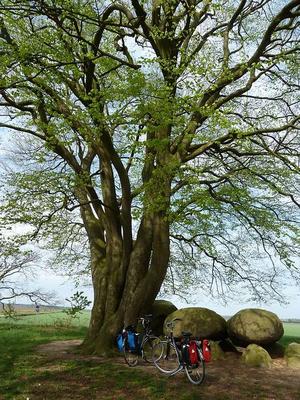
(86, 380)
(18, 359)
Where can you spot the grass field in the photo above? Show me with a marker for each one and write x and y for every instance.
(58, 318)
(292, 329)
(26, 374)
(291, 333)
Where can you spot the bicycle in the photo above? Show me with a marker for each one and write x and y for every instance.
(171, 356)
(144, 343)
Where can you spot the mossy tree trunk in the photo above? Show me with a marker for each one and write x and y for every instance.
(127, 274)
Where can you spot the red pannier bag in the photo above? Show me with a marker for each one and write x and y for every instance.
(193, 353)
(206, 351)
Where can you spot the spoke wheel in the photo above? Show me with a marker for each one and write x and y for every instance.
(130, 356)
(196, 373)
(148, 346)
(165, 357)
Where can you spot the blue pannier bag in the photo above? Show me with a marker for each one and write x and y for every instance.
(132, 340)
(120, 342)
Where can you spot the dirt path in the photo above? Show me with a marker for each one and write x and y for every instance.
(59, 347)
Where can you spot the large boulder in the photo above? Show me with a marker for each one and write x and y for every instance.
(292, 355)
(160, 310)
(256, 356)
(201, 322)
(254, 325)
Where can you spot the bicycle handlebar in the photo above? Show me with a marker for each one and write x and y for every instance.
(147, 317)
(146, 321)
(171, 324)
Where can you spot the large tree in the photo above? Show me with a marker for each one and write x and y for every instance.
(156, 122)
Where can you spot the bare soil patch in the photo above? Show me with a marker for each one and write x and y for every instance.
(59, 347)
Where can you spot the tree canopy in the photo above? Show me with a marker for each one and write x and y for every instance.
(160, 135)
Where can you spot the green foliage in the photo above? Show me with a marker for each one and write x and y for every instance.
(78, 302)
(183, 110)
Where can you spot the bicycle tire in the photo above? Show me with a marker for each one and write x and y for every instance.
(196, 374)
(131, 357)
(165, 357)
(147, 348)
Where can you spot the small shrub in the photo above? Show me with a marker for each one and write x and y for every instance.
(78, 303)
(9, 311)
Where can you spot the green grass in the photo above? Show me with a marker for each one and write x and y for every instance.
(291, 333)
(58, 318)
(19, 338)
(292, 329)
(17, 344)
(27, 374)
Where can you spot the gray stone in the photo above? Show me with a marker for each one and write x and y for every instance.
(256, 356)
(292, 355)
(160, 310)
(201, 322)
(254, 325)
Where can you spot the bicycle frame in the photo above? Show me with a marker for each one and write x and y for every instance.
(183, 362)
(172, 363)
(131, 356)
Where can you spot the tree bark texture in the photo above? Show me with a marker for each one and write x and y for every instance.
(123, 290)
(127, 274)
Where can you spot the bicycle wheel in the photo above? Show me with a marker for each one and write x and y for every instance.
(196, 373)
(165, 357)
(147, 347)
(130, 356)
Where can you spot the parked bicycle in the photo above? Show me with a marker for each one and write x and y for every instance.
(173, 355)
(135, 345)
